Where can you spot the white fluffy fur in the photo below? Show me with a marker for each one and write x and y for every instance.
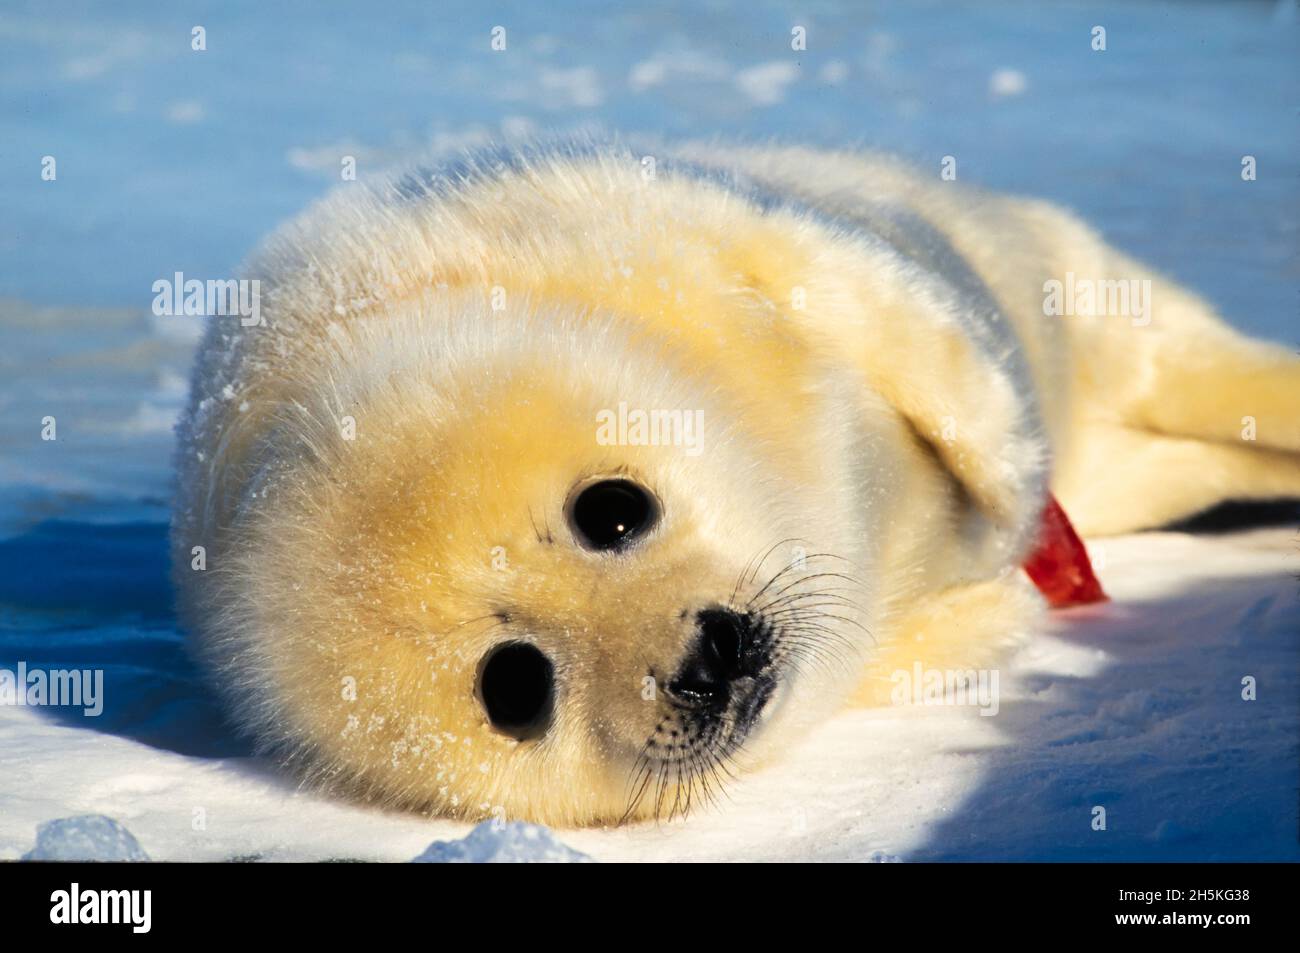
(881, 392)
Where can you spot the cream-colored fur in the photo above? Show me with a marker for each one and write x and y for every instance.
(378, 475)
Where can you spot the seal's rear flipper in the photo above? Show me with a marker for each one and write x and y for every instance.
(1217, 419)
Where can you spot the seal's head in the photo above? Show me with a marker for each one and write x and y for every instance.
(542, 566)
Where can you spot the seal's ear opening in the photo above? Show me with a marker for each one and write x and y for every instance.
(975, 408)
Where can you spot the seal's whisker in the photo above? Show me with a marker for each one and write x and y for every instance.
(814, 624)
(661, 789)
(820, 613)
(799, 582)
(640, 777)
(635, 771)
(533, 521)
(744, 573)
(814, 648)
(756, 561)
(857, 588)
(795, 567)
(483, 618)
(821, 590)
(751, 568)
(815, 633)
(828, 602)
(768, 554)
(645, 772)
(804, 654)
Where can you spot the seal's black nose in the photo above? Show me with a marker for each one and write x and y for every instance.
(723, 652)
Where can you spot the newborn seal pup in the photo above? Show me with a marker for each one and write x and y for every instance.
(565, 483)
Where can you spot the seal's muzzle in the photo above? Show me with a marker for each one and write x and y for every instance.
(726, 665)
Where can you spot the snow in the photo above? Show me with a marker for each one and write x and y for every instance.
(496, 843)
(765, 84)
(89, 837)
(174, 160)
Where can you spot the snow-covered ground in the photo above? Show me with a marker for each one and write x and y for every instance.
(174, 160)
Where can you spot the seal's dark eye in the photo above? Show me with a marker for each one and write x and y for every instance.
(611, 514)
(516, 683)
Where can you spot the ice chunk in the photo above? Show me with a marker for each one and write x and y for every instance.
(85, 837)
(495, 843)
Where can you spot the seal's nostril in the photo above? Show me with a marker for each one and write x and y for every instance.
(723, 636)
(516, 683)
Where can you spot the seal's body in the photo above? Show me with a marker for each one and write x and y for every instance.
(559, 482)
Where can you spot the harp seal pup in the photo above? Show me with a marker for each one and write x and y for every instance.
(566, 482)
